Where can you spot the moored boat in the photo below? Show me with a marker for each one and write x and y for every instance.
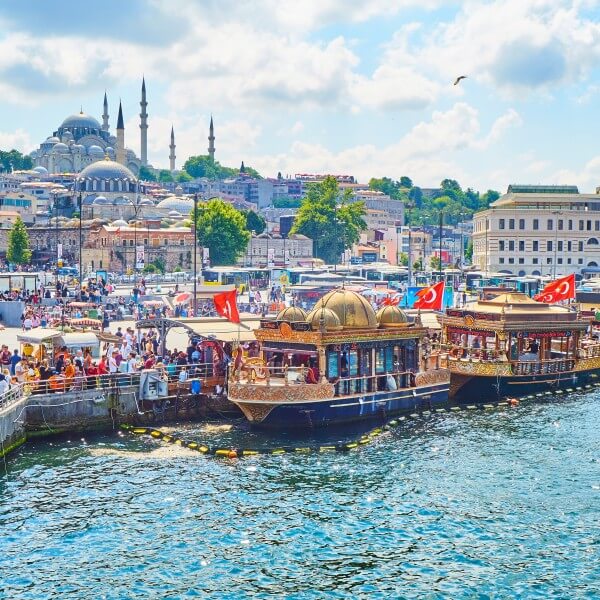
(511, 345)
(340, 363)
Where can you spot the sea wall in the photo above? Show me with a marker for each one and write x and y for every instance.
(79, 409)
(12, 425)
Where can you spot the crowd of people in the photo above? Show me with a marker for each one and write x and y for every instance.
(77, 369)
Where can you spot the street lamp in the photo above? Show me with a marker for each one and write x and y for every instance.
(80, 204)
(195, 303)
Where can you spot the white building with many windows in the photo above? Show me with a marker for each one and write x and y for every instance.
(539, 230)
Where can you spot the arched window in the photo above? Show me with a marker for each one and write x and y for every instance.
(521, 273)
(592, 242)
(592, 263)
(536, 272)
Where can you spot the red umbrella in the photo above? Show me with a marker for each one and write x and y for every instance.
(182, 298)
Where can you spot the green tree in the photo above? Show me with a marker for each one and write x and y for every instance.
(182, 177)
(222, 229)
(146, 174)
(469, 251)
(334, 223)
(18, 252)
(165, 176)
(436, 263)
(404, 259)
(254, 221)
(13, 160)
(418, 264)
(203, 166)
(405, 182)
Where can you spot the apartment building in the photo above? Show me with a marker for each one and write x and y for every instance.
(539, 230)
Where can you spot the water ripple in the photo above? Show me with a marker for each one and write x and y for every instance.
(480, 505)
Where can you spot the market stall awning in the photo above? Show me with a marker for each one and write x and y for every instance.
(79, 340)
(37, 336)
(223, 330)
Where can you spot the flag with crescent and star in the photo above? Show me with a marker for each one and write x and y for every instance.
(226, 305)
(557, 290)
(431, 297)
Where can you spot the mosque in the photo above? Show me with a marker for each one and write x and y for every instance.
(81, 140)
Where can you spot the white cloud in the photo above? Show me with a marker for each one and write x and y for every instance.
(428, 152)
(509, 119)
(18, 140)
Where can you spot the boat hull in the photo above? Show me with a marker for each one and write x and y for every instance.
(474, 388)
(341, 410)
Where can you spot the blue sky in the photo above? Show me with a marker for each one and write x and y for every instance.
(361, 87)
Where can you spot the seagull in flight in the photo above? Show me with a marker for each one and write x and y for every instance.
(459, 78)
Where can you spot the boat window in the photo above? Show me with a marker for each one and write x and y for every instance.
(389, 359)
(365, 362)
(380, 360)
(332, 365)
(353, 360)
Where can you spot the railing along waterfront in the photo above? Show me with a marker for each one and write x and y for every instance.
(61, 384)
(14, 394)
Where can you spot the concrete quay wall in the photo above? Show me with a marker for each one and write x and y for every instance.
(79, 409)
(12, 425)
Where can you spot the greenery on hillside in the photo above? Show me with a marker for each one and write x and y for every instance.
(330, 219)
(14, 160)
(204, 166)
(455, 203)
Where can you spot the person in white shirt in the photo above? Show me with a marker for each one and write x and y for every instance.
(4, 386)
(20, 372)
(112, 363)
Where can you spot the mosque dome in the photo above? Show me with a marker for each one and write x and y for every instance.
(119, 223)
(145, 202)
(52, 140)
(175, 214)
(33, 154)
(81, 120)
(292, 314)
(178, 203)
(330, 320)
(67, 135)
(95, 150)
(391, 316)
(60, 147)
(101, 200)
(106, 169)
(121, 201)
(40, 170)
(78, 147)
(352, 309)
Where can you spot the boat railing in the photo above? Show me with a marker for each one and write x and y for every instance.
(258, 373)
(360, 384)
(589, 350)
(541, 367)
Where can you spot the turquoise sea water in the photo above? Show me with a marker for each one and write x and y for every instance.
(494, 504)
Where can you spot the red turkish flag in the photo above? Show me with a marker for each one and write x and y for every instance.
(431, 297)
(391, 301)
(555, 291)
(226, 305)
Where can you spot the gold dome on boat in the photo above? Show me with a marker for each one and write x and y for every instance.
(292, 314)
(352, 309)
(391, 316)
(324, 316)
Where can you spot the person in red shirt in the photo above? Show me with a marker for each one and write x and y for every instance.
(103, 366)
(150, 361)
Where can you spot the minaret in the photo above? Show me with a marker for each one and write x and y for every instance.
(120, 137)
(144, 126)
(105, 114)
(172, 148)
(211, 141)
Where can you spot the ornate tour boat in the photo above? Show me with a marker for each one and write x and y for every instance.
(511, 345)
(342, 362)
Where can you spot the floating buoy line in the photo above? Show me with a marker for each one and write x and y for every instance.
(233, 453)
